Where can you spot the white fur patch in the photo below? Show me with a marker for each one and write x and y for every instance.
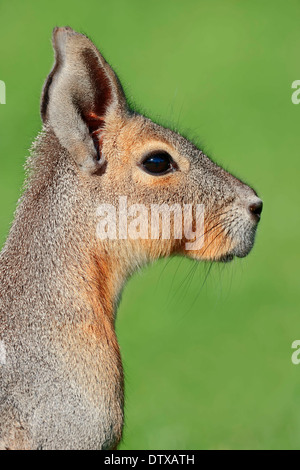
(2, 354)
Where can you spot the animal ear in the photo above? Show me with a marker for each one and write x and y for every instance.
(78, 95)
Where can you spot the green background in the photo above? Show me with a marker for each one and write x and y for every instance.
(206, 366)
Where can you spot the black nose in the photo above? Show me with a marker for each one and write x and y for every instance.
(256, 209)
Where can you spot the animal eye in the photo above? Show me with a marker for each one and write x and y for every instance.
(158, 163)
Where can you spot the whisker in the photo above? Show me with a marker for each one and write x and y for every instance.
(190, 277)
(175, 276)
(219, 215)
(220, 233)
(200, 289)
(167, 262)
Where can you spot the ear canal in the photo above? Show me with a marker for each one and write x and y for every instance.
(79, 93)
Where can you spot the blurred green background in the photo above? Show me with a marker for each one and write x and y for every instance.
(207, 367)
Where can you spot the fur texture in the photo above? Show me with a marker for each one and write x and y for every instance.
(62, 379)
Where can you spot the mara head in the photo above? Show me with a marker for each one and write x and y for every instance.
(144, 188)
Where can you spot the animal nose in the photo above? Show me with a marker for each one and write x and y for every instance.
(256, 209)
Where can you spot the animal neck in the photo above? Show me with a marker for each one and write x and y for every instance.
(52, 253)
(100, 279)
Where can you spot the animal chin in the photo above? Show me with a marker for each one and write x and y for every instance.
(226, 258)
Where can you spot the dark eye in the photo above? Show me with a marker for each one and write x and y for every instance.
(158, 163)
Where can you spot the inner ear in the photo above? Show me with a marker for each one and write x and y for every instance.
(102, 85)
(102, 99)
(95, 125)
